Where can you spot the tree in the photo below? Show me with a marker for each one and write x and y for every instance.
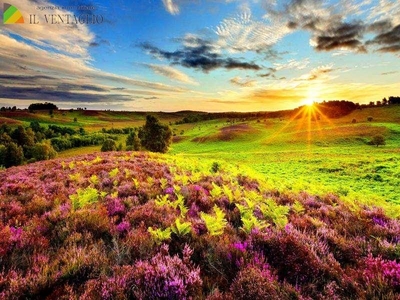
(133, 141)
(109, 145)
(43, 151)
(3, 150)
(14, 155)
(22, 137)
(155, 136)
(378, 140)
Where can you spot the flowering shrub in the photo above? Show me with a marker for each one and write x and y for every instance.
(149, 226)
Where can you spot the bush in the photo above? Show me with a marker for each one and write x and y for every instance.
(370, 119)
(43, 151)
(14, 155)
(2, 155)
(354, 121)
(133, 141)
(109, 145)
(378, 140)
(155, 136)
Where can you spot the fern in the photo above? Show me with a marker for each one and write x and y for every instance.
(150, 180)
(135, 183)
(298, 207)
(162, 200)
(84, 197)
(160, 235)
(163, 183)
(75, 177)
(181, 228)
(97, 160)
(113, 173)
(215, 224)
(71, 165)
(94, 179)
(228, 193)
(250, 222)
(276, 213)
(127, 173)
(216, 191)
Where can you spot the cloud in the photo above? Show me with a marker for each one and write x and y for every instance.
(319, 73)
(242, 33)
(172, 73)
(199, 54)
(56, 95)
(340, 36)
(171, 6)
(333, 26)
(292, 64)
(388, 41)
(389, 73)
(242, 82)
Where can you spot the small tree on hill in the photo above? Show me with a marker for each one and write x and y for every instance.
(43, 151)
(133, 141)
(155, 136)
(378, 140)
(14, 155)
(109, 145)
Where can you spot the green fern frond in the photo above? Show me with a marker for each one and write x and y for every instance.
(113, 173)
(84, 197)
(181, 228)
(160, 235)
(215, 224)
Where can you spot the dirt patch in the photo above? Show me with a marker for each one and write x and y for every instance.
(177, 139)
(227, 133)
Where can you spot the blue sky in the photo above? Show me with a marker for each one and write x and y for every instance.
(220, 55)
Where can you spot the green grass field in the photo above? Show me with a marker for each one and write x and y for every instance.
(320, 156)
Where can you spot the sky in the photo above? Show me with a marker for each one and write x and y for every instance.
(203, 55)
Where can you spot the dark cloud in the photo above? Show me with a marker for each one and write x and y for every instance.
(380, 26)
(345, 35)
(199, 54)
(80, 87)
(23, 78)
(99, 43)
(388, 41)
(46, 94)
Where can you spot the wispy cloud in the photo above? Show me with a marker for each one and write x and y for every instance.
(320, 73)
(171, 6)
(242, 33)
(243, 82)
(172, 73)
(292, 64)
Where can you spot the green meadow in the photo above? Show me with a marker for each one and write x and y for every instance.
(317, 155)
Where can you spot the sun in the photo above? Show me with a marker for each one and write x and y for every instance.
(309, 102)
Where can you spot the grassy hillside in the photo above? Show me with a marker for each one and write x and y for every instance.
(128, 225)
(303, 153)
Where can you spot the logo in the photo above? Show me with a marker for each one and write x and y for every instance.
(11, 15)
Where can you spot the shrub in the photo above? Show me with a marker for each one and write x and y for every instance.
(133, 141)
(154, 136)
(354, 121)
(14, 155)
(166, 277)
(109, 145)
(43, 151)
(370, 119)
(378, 140)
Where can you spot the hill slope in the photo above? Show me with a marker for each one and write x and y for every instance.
(134, 225)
